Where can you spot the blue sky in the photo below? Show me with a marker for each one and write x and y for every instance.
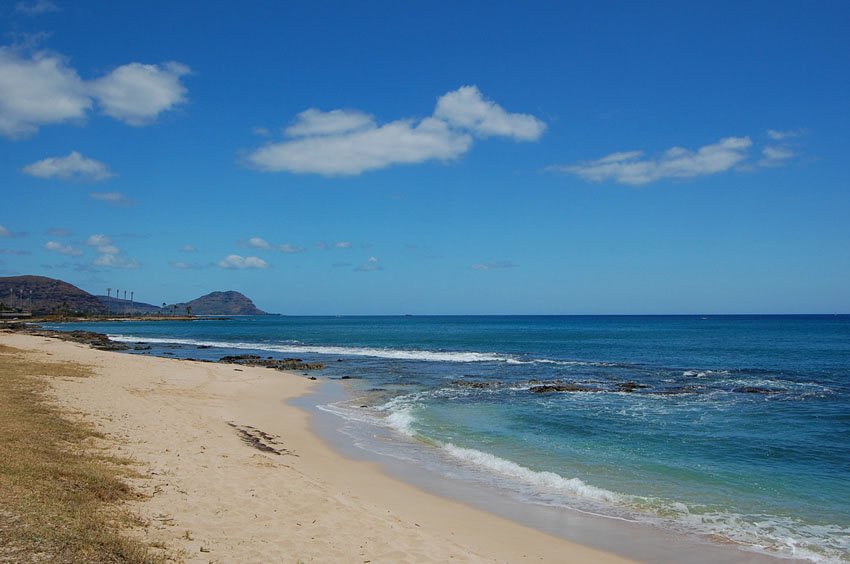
(432, 157)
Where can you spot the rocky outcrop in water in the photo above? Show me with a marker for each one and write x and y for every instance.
(269, 362)
(549, 388)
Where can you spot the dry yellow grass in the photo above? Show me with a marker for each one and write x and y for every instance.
(60, 493)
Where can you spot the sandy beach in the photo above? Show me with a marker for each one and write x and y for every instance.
(233, 474)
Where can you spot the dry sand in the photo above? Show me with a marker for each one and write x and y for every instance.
(217, 498)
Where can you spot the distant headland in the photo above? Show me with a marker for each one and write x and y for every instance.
(24, 296)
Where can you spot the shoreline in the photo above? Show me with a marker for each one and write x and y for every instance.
(194, 429)
(639, 541)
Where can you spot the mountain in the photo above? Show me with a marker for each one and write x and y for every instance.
(222, 303)
(44, 295)
(126, 307)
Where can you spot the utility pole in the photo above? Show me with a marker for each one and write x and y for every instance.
(132, 307)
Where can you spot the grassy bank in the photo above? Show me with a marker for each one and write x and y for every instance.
(61, 494)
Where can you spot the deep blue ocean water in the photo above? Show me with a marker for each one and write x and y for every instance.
(728, 427)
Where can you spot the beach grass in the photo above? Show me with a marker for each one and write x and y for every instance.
(61, 494)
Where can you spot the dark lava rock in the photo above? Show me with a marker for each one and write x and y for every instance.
(550, 388)
(142, 348)
(630, 386)
(270, 362)
(476, 385)
(676, 391)
(754, 390)
(90, 338)
(345, 377)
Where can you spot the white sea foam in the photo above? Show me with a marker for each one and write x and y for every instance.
(402, 421)
(779, 536)
(548, 480)
(400, 354)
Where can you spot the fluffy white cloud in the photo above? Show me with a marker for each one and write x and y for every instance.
(110, 254)
(343, 244)
(36, 7)
(492, 265)
(188, 249)
(289, 249)
(114, 198)
(349, 142)
(354, 152)
(238, 262)
(58, 247)
(776, 155)
(137, 93)
(258, 243)
(316, 122)
(466, 108)
(74, 166)
(370, 265)
(631, 168)
(40, 88)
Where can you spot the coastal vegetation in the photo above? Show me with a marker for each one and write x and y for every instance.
(61, 493)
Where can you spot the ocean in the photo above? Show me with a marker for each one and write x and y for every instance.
(730, 428)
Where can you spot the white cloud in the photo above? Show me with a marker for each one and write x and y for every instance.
(316, 122)
(492, 265)
(777, 135)
(466, 108)
(372, 264)
(351, 153)
(114, 198)
(677, 162)
(343, 245)
(188, 249)
(110, 254)
(137, 93)
(36, 7)
(258, 243)
(287, 248)
(98, 240)
(115, 261)
(775, 155)
(58, 247)
(350, 142)
(72, 167)
(238, 262)
(4, 232)
(38, 90)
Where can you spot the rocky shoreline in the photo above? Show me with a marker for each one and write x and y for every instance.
(102, 342)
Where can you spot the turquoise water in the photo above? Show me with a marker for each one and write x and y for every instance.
(734, 426)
